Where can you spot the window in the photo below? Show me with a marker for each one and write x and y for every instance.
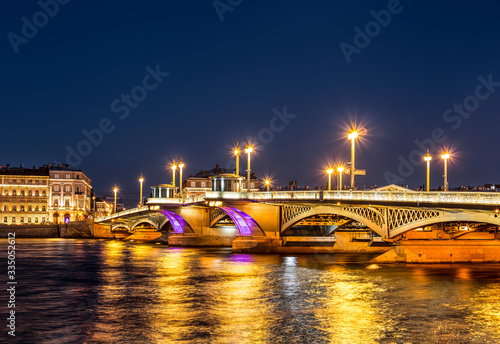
(5, 219)
(22, 219)
(203, 184)
(193, 184)
(13, 219)
(77, 176)
(43, 208)
(5, 208)
(22, 208)
(14, 192)
(30, 208)
(57, 176)
(14, 208)
(68, 176)
(66, 202)
(30, 193)
(67, 188)
(29, 219)
(36, 219)
(56, 187)
(36, 207)
(77, 189)
(37, 193)
(56, 202)
(252, 185)
(43, 219)
(22, 192)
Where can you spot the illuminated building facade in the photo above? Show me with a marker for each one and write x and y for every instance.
(70, 194)
(24, 195)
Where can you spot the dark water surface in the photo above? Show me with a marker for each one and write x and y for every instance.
(76, 291)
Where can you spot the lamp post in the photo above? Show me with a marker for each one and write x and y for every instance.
(329, 171)
(115, 190)
(181, 165)
(445, 156)
(353, 135)
(249, 151)
(93, 199)
(268, 182)
(237, 155)
(340, 170)
(141, 180)
(174, 166)
(428, 159)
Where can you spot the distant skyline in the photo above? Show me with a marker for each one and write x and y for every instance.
(119, 89)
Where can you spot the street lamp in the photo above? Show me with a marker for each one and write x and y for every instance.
(353, 135)
(340, 170)
(445, 156)
(115, 190)
(249, 151)
(237, 155)
(141, 180)
(267, 182)
(428, 159)
(174, 166)
(181, 165)
(329, 171)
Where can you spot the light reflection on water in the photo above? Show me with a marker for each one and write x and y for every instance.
(74, 291)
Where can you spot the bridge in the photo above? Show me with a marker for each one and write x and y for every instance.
(273, 215)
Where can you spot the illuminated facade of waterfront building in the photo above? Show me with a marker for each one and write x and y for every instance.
(24, 195)
(70, 194)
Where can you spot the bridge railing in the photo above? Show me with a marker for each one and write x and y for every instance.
(122, 213)
(485, 198)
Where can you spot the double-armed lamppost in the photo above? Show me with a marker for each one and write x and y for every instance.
(249, 151)
(141, 180)
(115, 190)
(352, 136)
(428, 158)
(329, 171)
(340, 170)
(445, 156)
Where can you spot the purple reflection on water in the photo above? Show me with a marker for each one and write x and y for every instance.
(177, 222)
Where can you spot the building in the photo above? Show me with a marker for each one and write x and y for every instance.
(24, 195)
(103, 208)
(70, 194)
(199, 184)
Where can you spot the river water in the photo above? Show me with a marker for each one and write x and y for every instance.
(92, 291)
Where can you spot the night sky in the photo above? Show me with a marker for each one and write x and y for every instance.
(234, 68)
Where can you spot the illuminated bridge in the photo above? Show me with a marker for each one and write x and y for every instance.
(389, 214)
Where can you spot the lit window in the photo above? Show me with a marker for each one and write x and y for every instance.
(29, 219)
(43, 219)
(193, 184)
(37, 193)
(36, 219)
(30, 208)
(30, 193)
(5, 219)
(22, 219)
(68, 176)
(14, 192)
(5, 208)
(203, 184)
(13, 219)
(252, 185)
(66, 202)
(14, 208)
(36, 207)
(68, 188)
(43, 208)
(22, 208)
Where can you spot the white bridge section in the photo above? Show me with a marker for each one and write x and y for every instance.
(441, 198)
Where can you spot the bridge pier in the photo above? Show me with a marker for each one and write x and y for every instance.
(193, 240)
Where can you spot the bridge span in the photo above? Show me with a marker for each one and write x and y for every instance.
(292, 217)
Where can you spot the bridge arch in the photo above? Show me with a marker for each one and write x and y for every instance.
(245, 224)
(370, 217)
(446, 216)
(119, 226)
(144, 220)
(179, 225)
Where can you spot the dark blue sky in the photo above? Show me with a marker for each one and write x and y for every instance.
(226, 77)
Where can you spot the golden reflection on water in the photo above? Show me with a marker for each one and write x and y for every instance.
(485, 313)
(349, 311)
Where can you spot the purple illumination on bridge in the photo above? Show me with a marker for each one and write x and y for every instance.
(178, 223)
(243, 222)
